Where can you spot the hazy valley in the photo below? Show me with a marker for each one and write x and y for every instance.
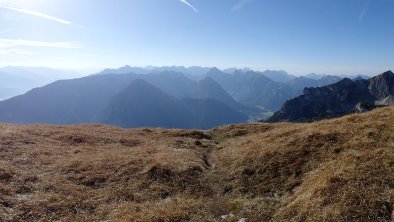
(160, 97)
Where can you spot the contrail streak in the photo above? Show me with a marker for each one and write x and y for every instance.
(364, 11)
(240, 4)
(38, 14)
(190, 5)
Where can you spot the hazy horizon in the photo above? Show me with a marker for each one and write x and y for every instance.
(329, 37)
(81, 72)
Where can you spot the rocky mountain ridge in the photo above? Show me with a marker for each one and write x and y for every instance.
(338, 99)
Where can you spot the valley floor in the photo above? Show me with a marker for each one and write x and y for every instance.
(332, 170)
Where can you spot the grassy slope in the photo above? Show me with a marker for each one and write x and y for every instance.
(334, 170)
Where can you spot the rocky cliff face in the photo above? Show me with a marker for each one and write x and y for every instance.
(382, 86)
(337, 99)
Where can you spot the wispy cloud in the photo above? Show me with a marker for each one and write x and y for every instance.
(190, 5)
(5, 31)
(18, 52)
(37, 14)
(240, 4)
(12, 43)
(364, 11)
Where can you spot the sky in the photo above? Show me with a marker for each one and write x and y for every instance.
(299, 36)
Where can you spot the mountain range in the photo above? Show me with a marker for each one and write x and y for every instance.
(142, 104)
(124, 99)
(343, 97)
(172, 97)
(193, 72)
(258, 89)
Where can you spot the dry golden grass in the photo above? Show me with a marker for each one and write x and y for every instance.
(332, 170)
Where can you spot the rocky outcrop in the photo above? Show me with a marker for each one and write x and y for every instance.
(338, 99)
(382, 86)
(363, 107)
(388, 101)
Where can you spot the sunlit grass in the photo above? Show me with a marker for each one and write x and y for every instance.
(333, 170)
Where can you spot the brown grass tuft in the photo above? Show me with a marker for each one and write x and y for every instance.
(333, 170)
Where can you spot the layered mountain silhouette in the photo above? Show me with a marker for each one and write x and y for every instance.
(267, 90)
(180, 86)
(338, 99)
(142, 104)
(194, 97)
(124, 100)
(64, 101)
(193, 72)
(278, 76)
(209, 89)
(258, 89)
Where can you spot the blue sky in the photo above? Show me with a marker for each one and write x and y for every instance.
(299, 36)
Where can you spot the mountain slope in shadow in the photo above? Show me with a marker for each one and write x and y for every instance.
(123, 100)
(338, 99)
(144, 105)
(141, 104)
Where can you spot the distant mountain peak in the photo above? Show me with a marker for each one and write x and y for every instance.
(193, 70)
(278, 75)
(276, 71)
(387, 74)
(214, 69)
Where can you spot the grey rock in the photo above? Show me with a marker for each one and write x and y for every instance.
(338, 99)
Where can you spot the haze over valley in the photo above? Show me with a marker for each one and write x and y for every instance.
(171, 97)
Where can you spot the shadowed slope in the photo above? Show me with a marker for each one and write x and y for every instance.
(144, 105)
(337, 99)
(141, 104)
(86, 100)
